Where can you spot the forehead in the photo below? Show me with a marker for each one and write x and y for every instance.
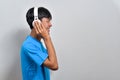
(46, 19)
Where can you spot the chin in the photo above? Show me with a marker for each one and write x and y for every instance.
(48, 32)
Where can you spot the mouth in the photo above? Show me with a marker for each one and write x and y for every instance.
(48, 30)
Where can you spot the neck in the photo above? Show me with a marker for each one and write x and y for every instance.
(34, 35)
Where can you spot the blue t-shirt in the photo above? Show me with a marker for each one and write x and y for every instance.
(33, 54)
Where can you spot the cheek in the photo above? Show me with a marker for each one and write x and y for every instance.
(46, 25)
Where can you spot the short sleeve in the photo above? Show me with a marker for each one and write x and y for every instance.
(36, 53)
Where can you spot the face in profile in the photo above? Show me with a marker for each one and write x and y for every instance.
(47, 23)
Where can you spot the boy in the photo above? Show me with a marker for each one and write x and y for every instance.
(35, 59)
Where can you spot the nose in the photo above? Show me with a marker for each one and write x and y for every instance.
(50, 25)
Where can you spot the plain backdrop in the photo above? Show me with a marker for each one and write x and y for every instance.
(85, 33)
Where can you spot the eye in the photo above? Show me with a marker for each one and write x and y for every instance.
(48, 21)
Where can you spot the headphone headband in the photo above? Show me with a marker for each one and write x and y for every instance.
(35, 13)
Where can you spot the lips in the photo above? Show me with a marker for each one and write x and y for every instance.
(48, 30)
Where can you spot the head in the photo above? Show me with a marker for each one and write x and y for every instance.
(43, 15)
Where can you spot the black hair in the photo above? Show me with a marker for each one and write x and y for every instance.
(42, 13)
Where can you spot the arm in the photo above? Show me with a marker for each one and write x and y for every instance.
(51, 61)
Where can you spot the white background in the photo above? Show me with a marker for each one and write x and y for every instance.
(86, 35)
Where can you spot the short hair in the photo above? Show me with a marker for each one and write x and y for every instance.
(42, 13)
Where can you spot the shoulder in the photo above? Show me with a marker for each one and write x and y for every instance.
(31, 44)
(27, 44)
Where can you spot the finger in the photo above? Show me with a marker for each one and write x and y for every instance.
(43, 27)
(40, 27)
(36, 30)
(36, 27)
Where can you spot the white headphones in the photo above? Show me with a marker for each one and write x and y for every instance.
(35, 15)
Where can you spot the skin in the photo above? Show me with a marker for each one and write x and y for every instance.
(42, 31)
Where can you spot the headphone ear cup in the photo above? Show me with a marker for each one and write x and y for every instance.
(39, 21)
(35, 21)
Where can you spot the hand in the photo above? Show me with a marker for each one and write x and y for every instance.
(40, 30)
